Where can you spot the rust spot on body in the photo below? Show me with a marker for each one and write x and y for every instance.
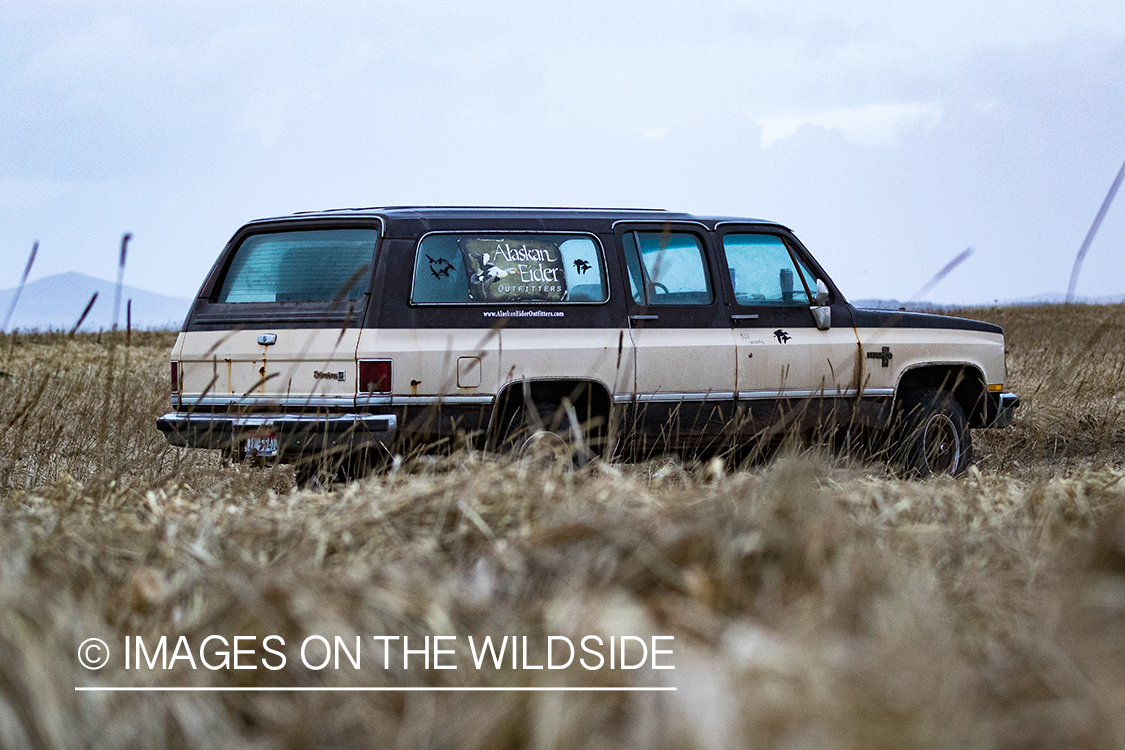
(414, 387)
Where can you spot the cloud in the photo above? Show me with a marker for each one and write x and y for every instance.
(870, 125)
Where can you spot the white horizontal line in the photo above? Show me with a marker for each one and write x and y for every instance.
(141, 689)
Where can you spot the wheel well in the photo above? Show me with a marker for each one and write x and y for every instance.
(964, 382)
(590, 399)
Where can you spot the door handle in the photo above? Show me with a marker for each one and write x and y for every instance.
(741, 319)
(638, 318)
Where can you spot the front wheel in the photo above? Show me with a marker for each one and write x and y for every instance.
(931, 433)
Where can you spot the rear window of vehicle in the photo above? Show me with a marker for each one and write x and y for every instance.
(321, 265)
(506, 268)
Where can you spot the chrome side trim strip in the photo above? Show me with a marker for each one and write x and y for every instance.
(348, 402)
(646, 398)
(675, 397)
(625, 398)
(392, 400)
(339, 403)
(323, 402)
(817, 392)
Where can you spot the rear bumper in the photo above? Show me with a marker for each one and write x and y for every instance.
(1004, 407)
(296, 433)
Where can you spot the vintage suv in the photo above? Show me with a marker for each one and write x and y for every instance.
(380, 330)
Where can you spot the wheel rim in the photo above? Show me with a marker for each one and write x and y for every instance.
(543, 448)
(941, 445)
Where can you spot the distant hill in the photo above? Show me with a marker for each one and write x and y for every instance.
(1059, 298)
(894, 304)
(1038, 299)
(56, 302)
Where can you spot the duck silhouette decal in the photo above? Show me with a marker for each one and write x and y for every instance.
(440, 267)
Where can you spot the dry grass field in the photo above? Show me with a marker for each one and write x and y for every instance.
(815, 601)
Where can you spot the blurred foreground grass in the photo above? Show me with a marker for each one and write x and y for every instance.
(814, 602)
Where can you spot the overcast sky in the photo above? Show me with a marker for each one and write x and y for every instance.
(888, 136)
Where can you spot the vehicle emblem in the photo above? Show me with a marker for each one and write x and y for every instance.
(265, 339)
(884, 355)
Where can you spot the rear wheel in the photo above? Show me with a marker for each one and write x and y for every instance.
(548, 433)
(931, 434)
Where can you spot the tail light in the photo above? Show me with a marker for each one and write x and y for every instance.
(175, 376)
(374, 376)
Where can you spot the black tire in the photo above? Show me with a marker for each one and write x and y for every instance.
(931, 434)
(548, 434)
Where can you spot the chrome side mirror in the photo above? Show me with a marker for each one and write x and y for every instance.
(821, 312)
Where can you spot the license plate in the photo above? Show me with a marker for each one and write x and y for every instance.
(263, 446)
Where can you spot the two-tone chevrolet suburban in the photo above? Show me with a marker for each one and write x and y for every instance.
(373, 331)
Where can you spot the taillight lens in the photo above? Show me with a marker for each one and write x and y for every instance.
(375, 376)
(175, 376)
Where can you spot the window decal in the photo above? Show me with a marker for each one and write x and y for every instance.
(440, 267)
(504, 270)
(507, 268)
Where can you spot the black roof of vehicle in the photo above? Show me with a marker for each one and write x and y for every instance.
(426, 213)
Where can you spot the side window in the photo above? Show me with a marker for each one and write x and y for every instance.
(439, 272)
(762, 271)
(504, 268)
(667, 268)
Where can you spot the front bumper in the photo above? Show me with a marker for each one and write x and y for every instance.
(1003, 408)
(296, 433)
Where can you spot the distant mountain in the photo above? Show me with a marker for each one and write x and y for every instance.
(56, 302)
